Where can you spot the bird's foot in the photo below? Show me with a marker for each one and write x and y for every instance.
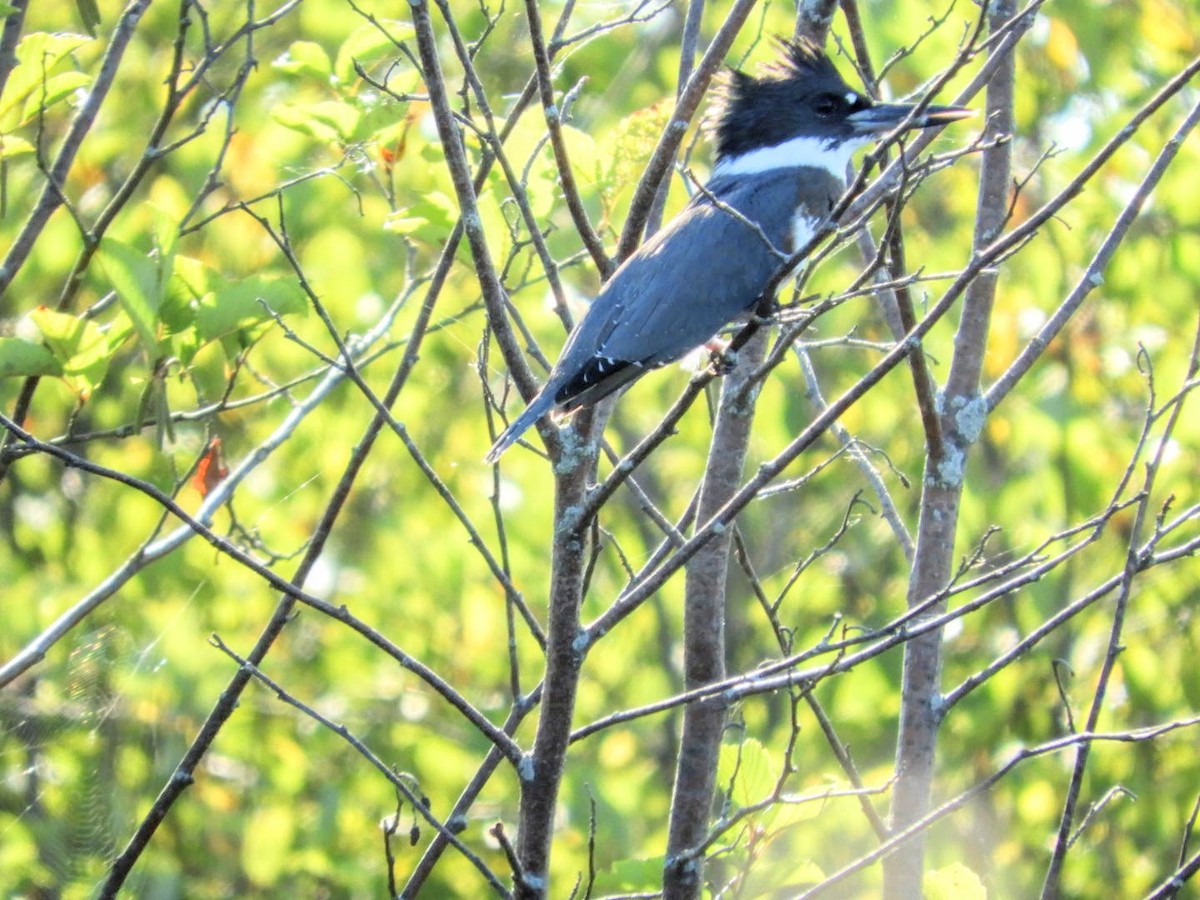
(721, 360)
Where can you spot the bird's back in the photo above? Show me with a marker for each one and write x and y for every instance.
(703, 270)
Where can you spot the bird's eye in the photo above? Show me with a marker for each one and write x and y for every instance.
(828, 104)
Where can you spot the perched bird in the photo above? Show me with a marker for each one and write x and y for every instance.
(783, 143)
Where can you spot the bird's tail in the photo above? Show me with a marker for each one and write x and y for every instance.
(538, 407)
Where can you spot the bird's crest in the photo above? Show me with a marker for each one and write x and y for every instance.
(801, 64)
(800, 58)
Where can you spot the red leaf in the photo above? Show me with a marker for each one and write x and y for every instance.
(211, 469)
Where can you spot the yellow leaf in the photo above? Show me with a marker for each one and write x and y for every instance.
(954, 882)
(1062, 49)
(266, 843)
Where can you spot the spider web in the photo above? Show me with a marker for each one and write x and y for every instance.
(64, 798)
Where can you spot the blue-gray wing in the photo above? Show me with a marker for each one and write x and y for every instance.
(702, 271)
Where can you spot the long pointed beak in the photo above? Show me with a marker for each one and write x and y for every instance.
(883, 117)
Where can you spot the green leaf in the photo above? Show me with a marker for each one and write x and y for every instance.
(89, 15)
(37, 56)
(191, 277)
(183, 295)
(369, 43)
(177, 313)
(330, 121)
(166, 234)
(154, 404)
(135, 278)
(431, 218)
(79, 344)
(402, 224)
(11, 146)
(20, 358)
(752, 769)
(184, 345)
(633, 875)
(245, 304)
(305, 58)
(585, 156)
(55, 89)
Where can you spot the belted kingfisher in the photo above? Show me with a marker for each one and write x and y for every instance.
(783, 143)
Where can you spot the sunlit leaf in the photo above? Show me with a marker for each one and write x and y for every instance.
(246, 303)
(954, 882)
(1165, 24)
(753, 771)
(78, 344)
(583, 152)
(786, 815)
(11, 146)
(1062, 48)
(772, 876)
(181, 303)
(368, 43)
(402, 224)
(305, 58)
(430, 218)
(135, 278)
(37, 55)
(329, 121)
(166, 234)
(52, 91)
(19, 357)
(634, 875)
(190, 276)
(627, 146)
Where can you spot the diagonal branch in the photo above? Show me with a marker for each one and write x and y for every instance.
(51, 197)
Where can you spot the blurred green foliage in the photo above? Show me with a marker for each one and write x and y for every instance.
(191, 301)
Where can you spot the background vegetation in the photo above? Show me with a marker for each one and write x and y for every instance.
(203, 207)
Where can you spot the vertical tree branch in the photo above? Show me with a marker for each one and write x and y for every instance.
(814, 18)
(541, 771)
(705, 596)
(962, 418)
(704, 633)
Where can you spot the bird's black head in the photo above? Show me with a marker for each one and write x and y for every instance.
(803, 96)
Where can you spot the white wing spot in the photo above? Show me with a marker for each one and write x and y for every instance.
(803, 227)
